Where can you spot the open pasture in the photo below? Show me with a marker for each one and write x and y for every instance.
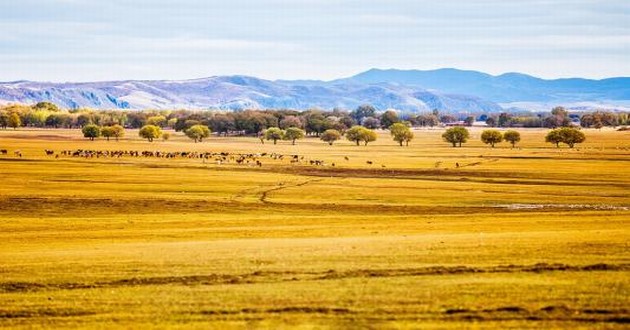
(424, 236)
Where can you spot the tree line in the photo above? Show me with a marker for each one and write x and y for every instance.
(312, 121)
(568, 135)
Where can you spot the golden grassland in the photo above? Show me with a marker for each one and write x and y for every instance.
(530, 237)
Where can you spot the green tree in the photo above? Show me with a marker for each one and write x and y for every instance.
(456, 135)
(294, 133)
(166, 136)
(197, 132)
(330, 136)
(107, 132)
(368, 136)
(491, 137)
(571, 136)
(91, 131)
(359, 134)
(355, 134)
(14, 121)
(388, 118)
(274, 133)
(512, 137)
(150, 132)
(118, 131)
(171, 122)
(47, 106)
(363, 111)
(159, 121)
(469, 121)
(554, 137)
(401, 133)
(4, 119)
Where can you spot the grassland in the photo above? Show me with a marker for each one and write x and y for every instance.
(531, 237)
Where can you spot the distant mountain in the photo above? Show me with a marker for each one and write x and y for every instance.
(506, 88)
(239, 92)
(408, 90)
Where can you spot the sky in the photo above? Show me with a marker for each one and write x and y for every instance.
(94, 40)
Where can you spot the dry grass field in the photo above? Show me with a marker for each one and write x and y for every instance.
(531, 237)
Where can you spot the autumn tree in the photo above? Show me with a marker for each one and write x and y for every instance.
(512, 137)
(554, 137)
(571, 136)
(491, 137)
(107, 132)
(91, 131)
(274, 133)
(456, 136)
(401, 133)
(150, 132)
(197, 132)
(330, 136)
(293, 133)
(388, 118)
(14, 120)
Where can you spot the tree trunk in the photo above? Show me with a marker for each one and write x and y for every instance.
(357, 141)
(293, 142)
(275, 141)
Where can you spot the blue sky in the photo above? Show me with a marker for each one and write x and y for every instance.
(89, 40)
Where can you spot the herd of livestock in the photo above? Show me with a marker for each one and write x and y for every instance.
(253, 159)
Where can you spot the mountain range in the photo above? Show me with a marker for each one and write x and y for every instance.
(407, 90)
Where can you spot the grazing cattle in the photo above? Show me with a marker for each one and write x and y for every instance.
(3, 151)
(18, 153)
(49, 152)
(369, 162)
(346, 158)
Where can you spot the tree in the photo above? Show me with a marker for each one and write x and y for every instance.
(150, 132)
(469, 121)
(197, 132)
(118, 131)
(330, 136)
(504, 119)
(456, 135)
(171, 123)
(554, 137)
(91, 131)
(363, 111)
(427, 120)
(388, 118)
(294, 133)
(368, 136)
(401, 133)
(512, 137)
(274, 133)
(115, 131)
(355, 133)
(447, 119)
(491, 121)
(571, 136)
(47, 106)
(559, 118)
(491, 137)
(159, 121)
(4, 119)
(14, 121)
(166, 136)
(107, 132)
(371, 123)
(290, 121)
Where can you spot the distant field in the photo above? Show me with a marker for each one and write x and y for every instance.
(427, 236)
